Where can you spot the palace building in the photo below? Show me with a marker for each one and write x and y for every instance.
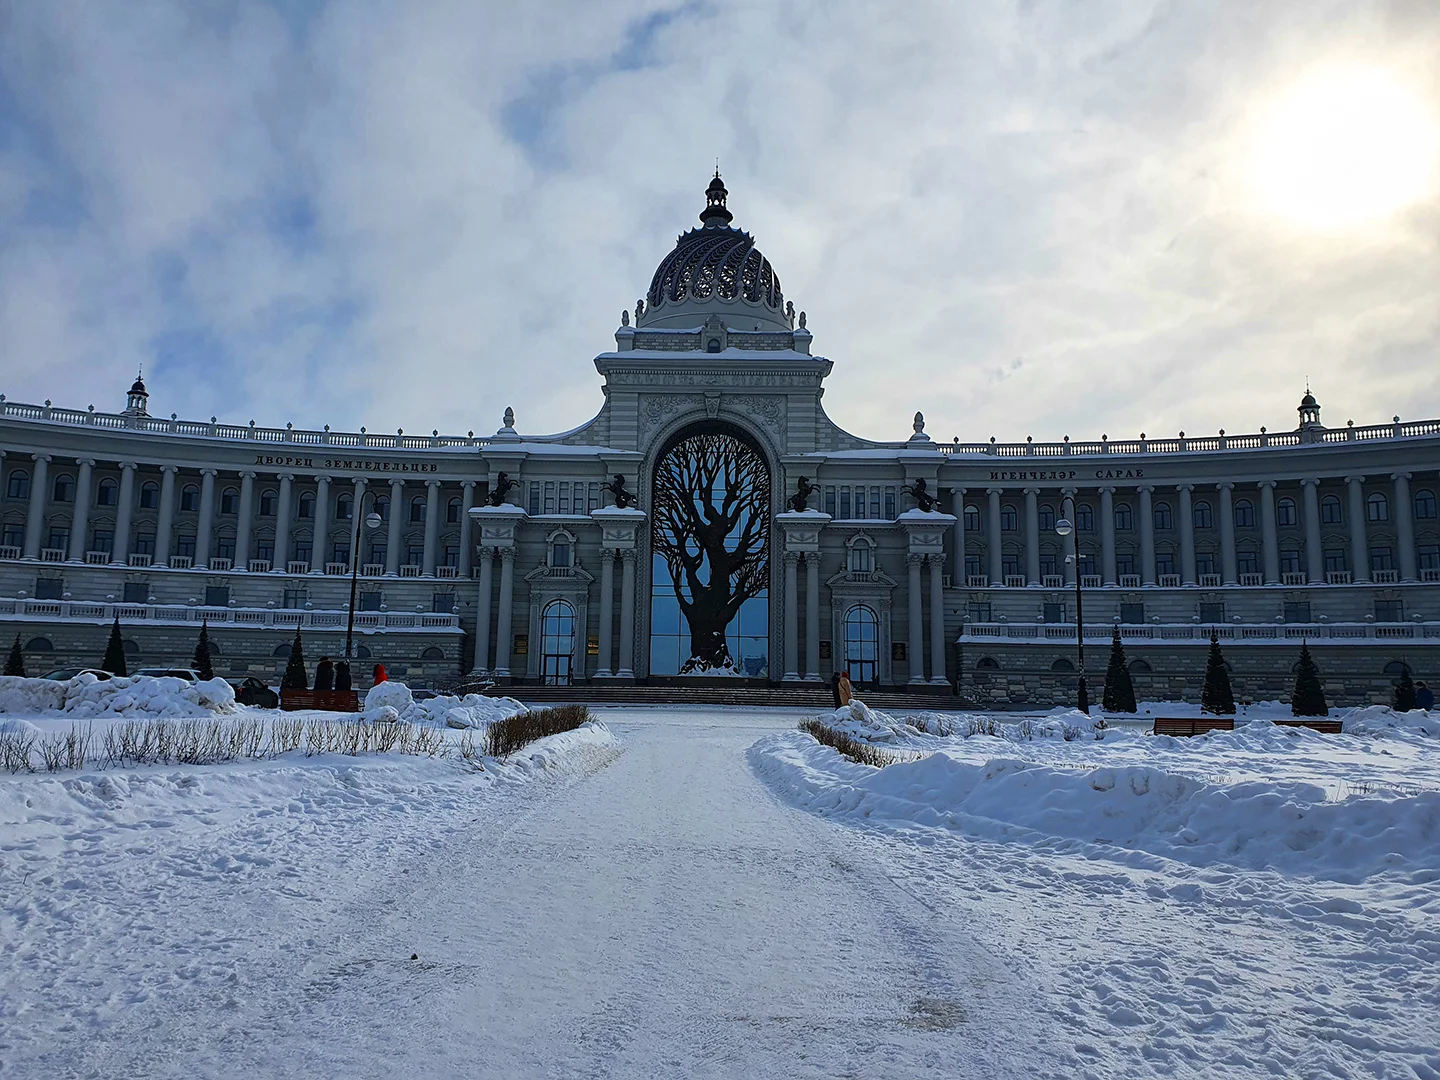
(712, 520)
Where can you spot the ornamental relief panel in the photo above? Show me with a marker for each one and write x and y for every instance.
(657, 409)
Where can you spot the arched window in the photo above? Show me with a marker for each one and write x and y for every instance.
(268, 500)
(230, 501)
(39, 644)
(417, 509)
(560, 553)
(105, 493)
(281, 650)
(1047, 518)
(1140, 667)
(862, 642)
(1396, 668)
(1124, 520)
(1377, 508)
(131, 646)
(452, 512)
(1244, 514)
(64, 488)
(432, 654)
(306, 508)
(344, 507)
(987, 663)
(1163, 518)
(18, 486)
(1331, 512)
(1425, 504)
(1285, 512)
(362, 652)
(557, 643)
(149, 495)
(190, 497)
(1009, 520)
(214, 648)
(972, 519)
(1084, 518)
(1204, 519)
(382, 507)
(1061, 664)
(860, 557)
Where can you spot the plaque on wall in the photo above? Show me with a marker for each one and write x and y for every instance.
(522, 645)
(592, 645)
(824, 650)
(897, 650)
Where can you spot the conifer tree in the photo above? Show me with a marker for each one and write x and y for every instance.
(201, 663)
(15, 664)
(1216, 696)
(114, 661)
(1405, 691)
(1119, 690)
(295, 677)
(1309, 696)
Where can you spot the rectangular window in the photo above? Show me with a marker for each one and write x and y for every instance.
(1054, 613)
(225, 548)
(49, 588)
(1381, 559)
(980, 612)
(1125, 564)
(1389, 611)
(371, 601)
(874, 502)
(217, 595)
(1087, 564)
(442, 603)
(595, 496)
(1429, 556)
(136, 592)
(1010, 565)
(185, 545)
(145, 543)
(534, 507)
(1164, 562)
(560, 555)
(15, 536)
(972, 566)
(1047, 565)
(1290, 561)
(860, 504)
(265, 549)
(303, 551)
(549, 496)
(830, 499)
(1336, 560)
(564, 507)
(377, 553)
(452, 555)
(294, 598)
(1297, 611)
(104, 540)
(340, 553)
(890, 499)
(1205, 562)
(414, 554)
(59, 538)
(1132, 614)
(844, 502)
(1246, 562)
(1212, 613)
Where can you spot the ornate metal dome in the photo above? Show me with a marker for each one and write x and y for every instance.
(715, 262)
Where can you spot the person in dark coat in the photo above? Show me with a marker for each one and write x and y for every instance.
(342, 675)
(835, 688)
(324, 674)
(1424, 697)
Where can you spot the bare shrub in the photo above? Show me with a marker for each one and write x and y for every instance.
(858, 752)
(507, 736)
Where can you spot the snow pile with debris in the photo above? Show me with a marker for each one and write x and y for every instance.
(86, 696)
(470, 711)
(1383, 720)
(860, 721)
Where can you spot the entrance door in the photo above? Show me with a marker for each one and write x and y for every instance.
(862, 645)
(557, 637)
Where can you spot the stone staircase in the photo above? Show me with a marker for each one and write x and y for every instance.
(707, 692)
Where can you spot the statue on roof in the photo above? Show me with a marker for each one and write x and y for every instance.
(502, 487)
(920, 492)
(800, 501)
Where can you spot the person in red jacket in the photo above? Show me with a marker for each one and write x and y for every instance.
(380, 675)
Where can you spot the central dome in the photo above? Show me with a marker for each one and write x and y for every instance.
(715, 269)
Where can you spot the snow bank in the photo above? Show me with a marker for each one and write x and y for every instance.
(137, 695)
(470, 711)
(1288, 826)
(871, 725)
(1383, 720)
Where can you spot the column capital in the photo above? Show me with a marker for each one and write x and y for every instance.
(172, 469)
(1225, 485)
(468, 483)
(129, 466)
(209, 472)
(628, 555)
(247, 474)
(360, 481)
(1032, 491)
(89, 463)
(1107, 489)
(1267, 484)
(285, 477)
(609, 552)
(1354, 479)
(1185, 487)
(994, 491)
(40, 457)
(959, 490)
(914, 558)
(1148, 489)
(507, 554)
(791, 557)
(1399, 476)
(397, 482)
(433, 483)
(1310, 481)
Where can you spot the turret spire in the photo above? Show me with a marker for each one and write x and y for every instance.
(715, 215)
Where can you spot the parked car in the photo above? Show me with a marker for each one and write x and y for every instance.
(251, 691)
(187, 674)
(66, 674)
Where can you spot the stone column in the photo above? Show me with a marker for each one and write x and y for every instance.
(207, 519)
(467, 500)
(125, 507)
(916, 646)
(1404, 526)
(1147, 536)
(35, 515)
(992, 541)
(320, 533)
(812, 617)
(958, 501)
(1359, 545)
(937, 621)
(1227, 534)
(1107, 536)
(392, 541)
(432, 527)
(504, 640)
(607, 613)
(1187, 534)
(1032, 537)
(792, 620)
(282, 524)
(243, 524)
(1269, 541)
(1314, 558)
(80, 519)
(626, 669)
(166, 523)
(482, 610)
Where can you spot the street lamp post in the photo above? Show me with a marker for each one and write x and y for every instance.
(372, 521)
(1064, 528)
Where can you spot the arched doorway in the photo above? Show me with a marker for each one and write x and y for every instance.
(710, 554)
(862, 644)
(557, 643)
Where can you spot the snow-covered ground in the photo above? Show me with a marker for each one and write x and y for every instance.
(708, 892)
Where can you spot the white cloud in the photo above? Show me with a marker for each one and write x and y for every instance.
(1031, 219)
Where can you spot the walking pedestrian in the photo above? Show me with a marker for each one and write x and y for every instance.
(835, 688)
(1424, 697)
(846, 692)
(325, 674)
(342, 675)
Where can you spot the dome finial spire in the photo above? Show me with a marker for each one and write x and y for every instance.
(715, 215)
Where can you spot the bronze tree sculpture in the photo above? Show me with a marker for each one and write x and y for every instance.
(711, 507)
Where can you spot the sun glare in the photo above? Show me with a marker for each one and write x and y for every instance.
(1345, 148)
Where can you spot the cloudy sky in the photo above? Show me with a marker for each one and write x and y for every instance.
(1021, 218)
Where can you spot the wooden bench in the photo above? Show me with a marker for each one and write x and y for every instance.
(1192, 725)
(1314, 723)
(324, 700)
